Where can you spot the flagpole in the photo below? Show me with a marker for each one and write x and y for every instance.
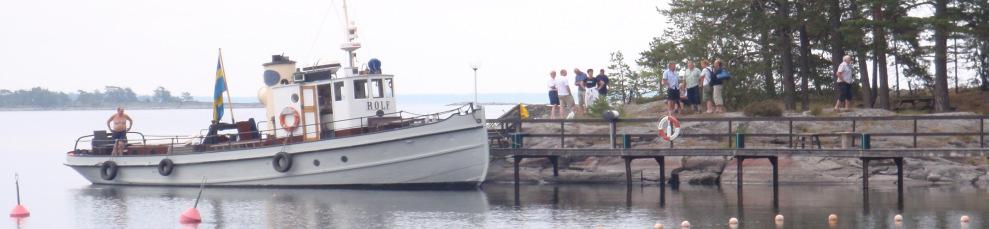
(230, 103)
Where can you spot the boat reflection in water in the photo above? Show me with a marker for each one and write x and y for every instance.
(159, 207)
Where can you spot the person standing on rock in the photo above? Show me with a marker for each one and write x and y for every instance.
(844, 77)
(671, 81)
(717, 84)
(579, 78)
(592, 88)
(706, 90)
(693, 82)
(563, 89)
(602, 84)
(554, 96)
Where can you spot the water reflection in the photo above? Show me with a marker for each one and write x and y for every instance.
(804, 206)
(278, 208)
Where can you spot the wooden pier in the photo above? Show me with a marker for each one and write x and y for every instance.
(507, 139)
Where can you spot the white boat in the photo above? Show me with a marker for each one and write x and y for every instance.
(328, 125)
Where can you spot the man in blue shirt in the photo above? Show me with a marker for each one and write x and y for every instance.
(672, 83)
(581, 90)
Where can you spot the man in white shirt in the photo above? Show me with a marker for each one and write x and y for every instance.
(844, 76)
(563, 89)
(672, 83)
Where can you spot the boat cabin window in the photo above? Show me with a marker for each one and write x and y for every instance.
(325, 107)
(377, 90)
(360, 89)
(338, 91)
(389, 91)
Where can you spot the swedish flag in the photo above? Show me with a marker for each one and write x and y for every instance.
(221, 86)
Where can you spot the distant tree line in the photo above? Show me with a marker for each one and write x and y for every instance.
(110, 96)
(790, 49)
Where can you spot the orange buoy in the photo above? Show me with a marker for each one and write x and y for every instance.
(19, 211)
(190, 216)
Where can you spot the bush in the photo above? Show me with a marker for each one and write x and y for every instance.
(815, 111)
(763, 109)
(598, 106)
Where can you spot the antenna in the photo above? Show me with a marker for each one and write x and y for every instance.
(350, 46)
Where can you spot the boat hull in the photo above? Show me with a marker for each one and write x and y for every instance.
(449, 153)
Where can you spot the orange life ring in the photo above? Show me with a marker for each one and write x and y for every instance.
(670, 124)
(295, 119)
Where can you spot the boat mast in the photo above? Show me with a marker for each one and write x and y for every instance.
(351, 45)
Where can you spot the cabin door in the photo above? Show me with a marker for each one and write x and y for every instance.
(310, 113)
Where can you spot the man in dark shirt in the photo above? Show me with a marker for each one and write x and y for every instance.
(602, 84)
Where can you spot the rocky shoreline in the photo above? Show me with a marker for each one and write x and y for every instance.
(721, 170)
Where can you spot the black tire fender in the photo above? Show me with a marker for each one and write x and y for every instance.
(108, 170)
(165, 167)
(282, 162)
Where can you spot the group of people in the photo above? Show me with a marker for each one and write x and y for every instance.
(696, 88)
(589, 88)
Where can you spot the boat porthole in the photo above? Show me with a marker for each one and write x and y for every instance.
(343, 159)
(295, 98)
(315, 162)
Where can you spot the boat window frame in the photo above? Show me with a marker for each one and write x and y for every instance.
(377, 89)
(360, 89)
(389, 90)
(338, 88)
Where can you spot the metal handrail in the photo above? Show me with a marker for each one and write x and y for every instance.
(262, 132)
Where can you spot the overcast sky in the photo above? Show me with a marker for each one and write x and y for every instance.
(429, 45)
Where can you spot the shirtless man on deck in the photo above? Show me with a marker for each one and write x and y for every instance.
(119, 130)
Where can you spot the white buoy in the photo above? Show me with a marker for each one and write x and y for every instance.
(657, 226)
(733, 221)
(832, 219)
(898, 219)
(965, 219)
(685, 224)
(779, 219)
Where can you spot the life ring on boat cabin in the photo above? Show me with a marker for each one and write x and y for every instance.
(287, 111)
(165, 167)
(108, 170)
(669, 128)
(282, 162)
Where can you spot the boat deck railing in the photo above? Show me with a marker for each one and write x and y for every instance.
(187, 143)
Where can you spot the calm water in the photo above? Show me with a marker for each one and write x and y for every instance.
(35, 142)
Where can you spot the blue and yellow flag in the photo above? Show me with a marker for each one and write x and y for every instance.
(221, 86)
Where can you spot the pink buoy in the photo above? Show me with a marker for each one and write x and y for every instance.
(19, 212)
(190, 216)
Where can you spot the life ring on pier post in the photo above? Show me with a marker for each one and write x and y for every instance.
(669, 124)
(289, 111)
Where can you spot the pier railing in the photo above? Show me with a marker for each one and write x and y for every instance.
(501, 130)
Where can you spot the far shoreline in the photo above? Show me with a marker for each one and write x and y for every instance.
(192, 105)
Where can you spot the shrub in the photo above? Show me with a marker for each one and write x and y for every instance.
(763, 109)
(599, 106)
(815, 111)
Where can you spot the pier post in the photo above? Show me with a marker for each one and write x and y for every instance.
(776, 183)
(555, 160)
(661, 160)
(562, 135)
(628, 171)
(516, 162)
(729, 133)
(738, 176)
(899, 182)
(790, 134)
(613, 133)
(865, 174)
